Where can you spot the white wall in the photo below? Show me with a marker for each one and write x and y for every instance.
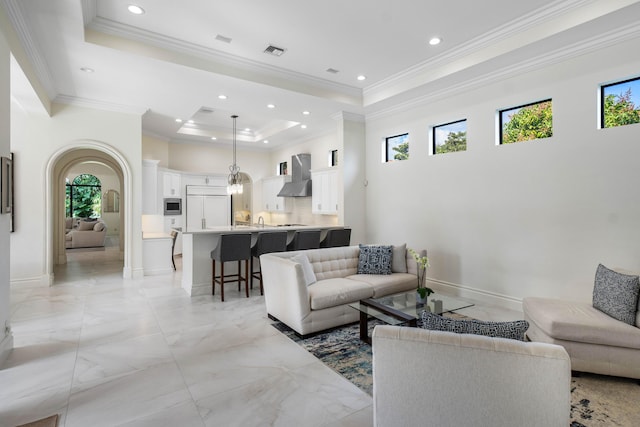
(6, 340)
(35, 140)
(531, 218)
(155, 149)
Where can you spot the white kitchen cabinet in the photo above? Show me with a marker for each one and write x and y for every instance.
(207, 207)
(324, 191)
(271, 186)
(211, 180)
(150, 203)
(170, 184)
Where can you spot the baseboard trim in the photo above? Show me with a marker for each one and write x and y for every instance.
(44, 280)
(488, 297)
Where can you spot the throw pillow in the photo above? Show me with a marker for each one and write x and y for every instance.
(374, 259)
(616, 294)
(512, 330)
(307, 268)
(85, 226)
(399, 259)
(99, 226)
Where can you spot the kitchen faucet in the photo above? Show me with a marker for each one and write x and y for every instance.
(261, 221)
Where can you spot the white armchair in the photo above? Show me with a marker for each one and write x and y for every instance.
(433, 378)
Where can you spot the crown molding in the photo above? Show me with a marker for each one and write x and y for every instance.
(106, 26)
(345, 115)
(99, 105)
(494, 37)
(582, 47)
(14, 12)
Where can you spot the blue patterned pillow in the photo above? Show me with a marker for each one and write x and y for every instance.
(375, 259)
(616, 294)
(513, 330)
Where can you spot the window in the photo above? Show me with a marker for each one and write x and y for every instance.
(282, 169)
(333, 158)
(526, 122)
(450, 137)
(84, 197)
(397, 147)
(620, 103)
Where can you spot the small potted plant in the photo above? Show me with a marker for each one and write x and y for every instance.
(422, 263)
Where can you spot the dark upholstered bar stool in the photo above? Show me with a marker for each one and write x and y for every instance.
(336, 237)
(267, 242)
(304, 239)
(174, 236)
(231, 247)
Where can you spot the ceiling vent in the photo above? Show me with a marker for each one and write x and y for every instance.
(274, 50)
(332, 71)
(223, 39)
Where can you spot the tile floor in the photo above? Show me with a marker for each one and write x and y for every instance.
(104, 351)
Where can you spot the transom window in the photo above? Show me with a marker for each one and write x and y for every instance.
(450, 137)
(397, 147)
(620, 103)
(526, 122)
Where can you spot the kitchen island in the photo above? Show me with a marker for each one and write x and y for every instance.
(197, 246)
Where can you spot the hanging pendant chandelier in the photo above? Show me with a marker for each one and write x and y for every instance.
(234, 181)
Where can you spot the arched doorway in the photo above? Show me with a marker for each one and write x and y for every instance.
(57, 168)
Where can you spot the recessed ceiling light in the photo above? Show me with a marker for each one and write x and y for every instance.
(213, 138)
(266, 141)
(222, 96)
(87, 69)
(361, 77)
(303, 126)
(306, 113)
(136, 10)
(190, 121)
(247, 129)
(271, 106)
(179, 120)
(434, 41)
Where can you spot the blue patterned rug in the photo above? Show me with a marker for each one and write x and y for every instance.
(596, 400)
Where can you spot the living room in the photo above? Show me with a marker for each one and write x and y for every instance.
(501, 222)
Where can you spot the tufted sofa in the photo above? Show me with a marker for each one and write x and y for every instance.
(325, 303)
(85, 234)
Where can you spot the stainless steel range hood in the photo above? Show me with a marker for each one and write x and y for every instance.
(300, 185)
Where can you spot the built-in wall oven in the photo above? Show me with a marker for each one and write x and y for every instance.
(173, 206)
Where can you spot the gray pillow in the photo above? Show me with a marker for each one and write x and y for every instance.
(85, 226)
(616, 294)
(399, 258)
(512, 330)
(374, 259)
(307, 268)
(99, 226)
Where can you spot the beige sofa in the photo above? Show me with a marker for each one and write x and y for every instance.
(434, 378)
(85, 234)
(595, 342)
(325, 303)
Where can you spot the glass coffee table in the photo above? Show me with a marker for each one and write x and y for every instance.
(403, 308)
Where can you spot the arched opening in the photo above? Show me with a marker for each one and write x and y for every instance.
(58, 170)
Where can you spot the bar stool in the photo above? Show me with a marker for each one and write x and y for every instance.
(336, 237)
(267, 242)
(174, 236)
(231, 247)
(304, 239)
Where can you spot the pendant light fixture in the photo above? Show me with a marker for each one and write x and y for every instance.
(234, 181)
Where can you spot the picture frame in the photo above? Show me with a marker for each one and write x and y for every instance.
(6, 185)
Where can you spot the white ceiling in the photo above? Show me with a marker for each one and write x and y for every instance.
(167, 63)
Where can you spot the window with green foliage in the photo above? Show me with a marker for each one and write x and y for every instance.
(450, 137)
(526, 122)
(84, 197)
(620, 103)
(397, 147)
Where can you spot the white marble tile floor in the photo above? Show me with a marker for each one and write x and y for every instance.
(103, 351)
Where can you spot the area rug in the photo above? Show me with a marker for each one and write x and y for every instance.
(596, 400)
(51, 421)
